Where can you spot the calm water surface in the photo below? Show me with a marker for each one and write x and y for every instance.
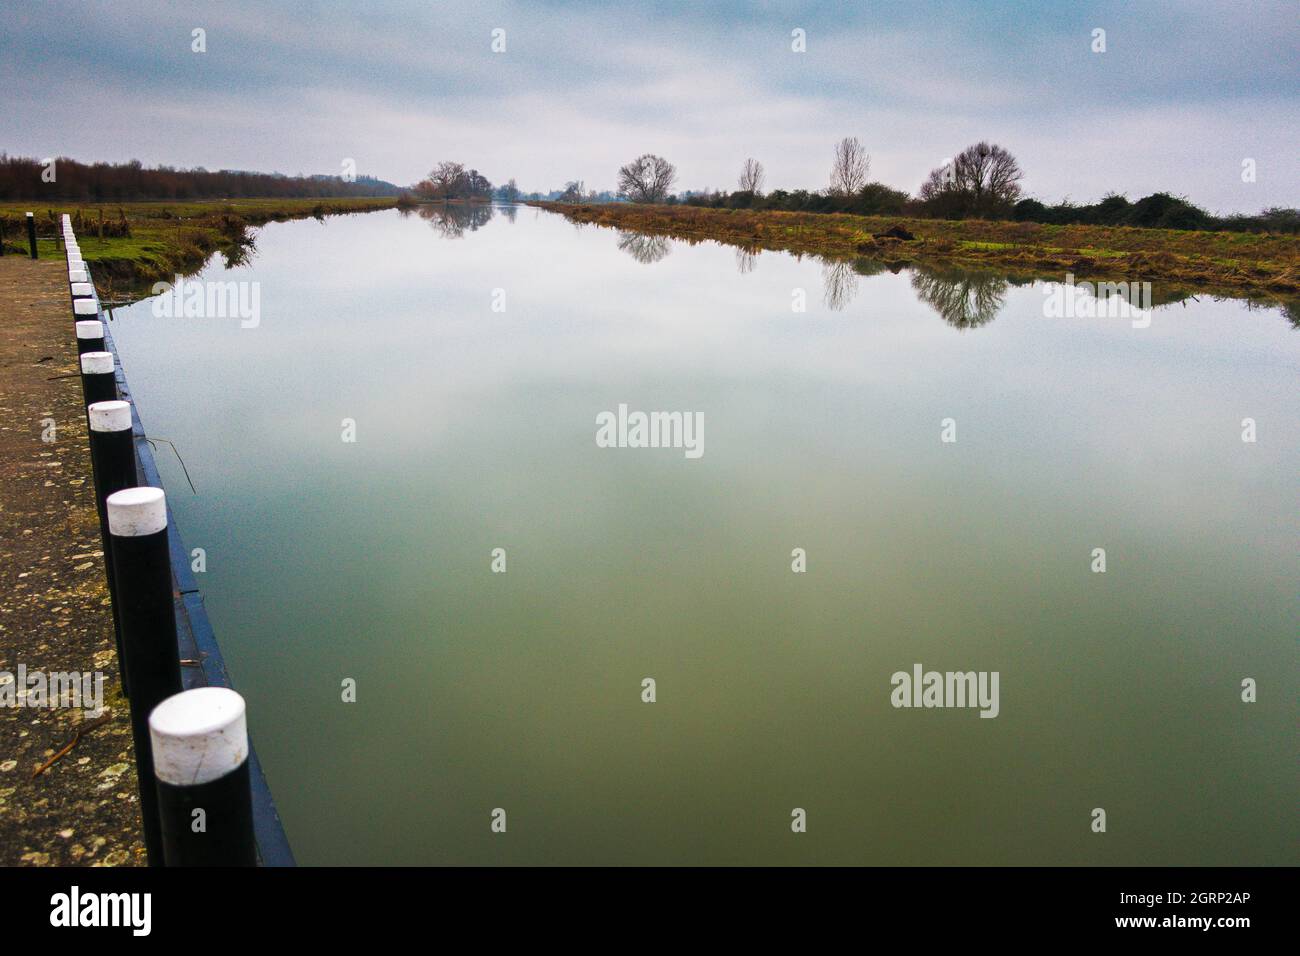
(475, 430)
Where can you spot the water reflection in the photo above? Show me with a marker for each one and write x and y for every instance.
(840, 280)
(453, 220)
(965, 300)
(839, 284)
(644, 248)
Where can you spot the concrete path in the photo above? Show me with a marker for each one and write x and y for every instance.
(54, 613)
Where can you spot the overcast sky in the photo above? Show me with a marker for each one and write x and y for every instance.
(1183, 94)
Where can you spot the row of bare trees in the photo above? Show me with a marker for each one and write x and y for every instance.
(63, 178)
(848, 172)
(982, 180)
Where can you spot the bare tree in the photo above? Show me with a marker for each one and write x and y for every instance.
(445, 177)
(751, 177)
(983, 180)
(849, 172)
(572, 191)
(648, 178)
(990, 174)
(938, 182)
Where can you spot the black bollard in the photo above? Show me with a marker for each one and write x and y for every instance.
(90, 337)
(98, 383)
(137, 521)
(31, 233)
(112, 459)
(200, 760)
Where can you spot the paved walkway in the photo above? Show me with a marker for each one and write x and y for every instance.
(54, 613)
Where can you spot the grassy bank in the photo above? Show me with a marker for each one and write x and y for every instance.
(1225, 263)
(132, 245)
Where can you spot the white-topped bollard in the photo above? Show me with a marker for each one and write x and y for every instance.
(98, 383)
(85, 308)
(112, 460)
(90, 336)
(137, 525)
(78, 274)
(200, 762)
(31, 233)
(82, 291)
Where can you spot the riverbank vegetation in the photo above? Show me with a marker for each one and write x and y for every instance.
(1156, 211)
(1218, 262)
(983, 181)
(132, 245)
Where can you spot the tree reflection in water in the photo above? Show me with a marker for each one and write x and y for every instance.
(453, 220)
(840, 279)
(644, 248)
(839, 283)
(965, 300)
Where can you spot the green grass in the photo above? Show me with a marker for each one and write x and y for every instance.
(988, 245)
(162, 239)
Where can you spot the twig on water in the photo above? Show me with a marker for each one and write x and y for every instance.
(172, 445)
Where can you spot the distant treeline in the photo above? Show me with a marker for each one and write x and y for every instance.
(66, 179)
(1157, 211)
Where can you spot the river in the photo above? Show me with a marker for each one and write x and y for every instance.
(941, 456)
